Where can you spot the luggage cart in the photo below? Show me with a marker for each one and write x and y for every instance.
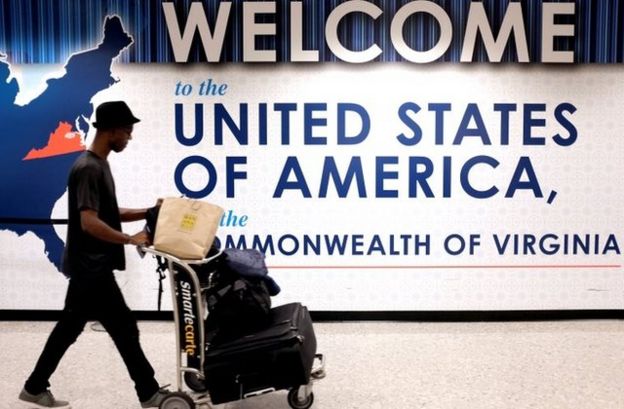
(190, 312)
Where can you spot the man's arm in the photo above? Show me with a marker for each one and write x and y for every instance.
(132, 215)
(94, 226)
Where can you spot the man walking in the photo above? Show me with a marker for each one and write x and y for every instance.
(93, 250)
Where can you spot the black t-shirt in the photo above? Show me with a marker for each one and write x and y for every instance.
(91, 186)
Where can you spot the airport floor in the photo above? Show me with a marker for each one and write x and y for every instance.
(370, 365)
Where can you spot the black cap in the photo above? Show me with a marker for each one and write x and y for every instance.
(113, 114)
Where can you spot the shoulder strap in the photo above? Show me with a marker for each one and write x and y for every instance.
(162, 267)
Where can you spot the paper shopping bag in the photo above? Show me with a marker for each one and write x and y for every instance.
(186, 228)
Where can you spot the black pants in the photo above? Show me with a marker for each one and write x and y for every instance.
(95, 299)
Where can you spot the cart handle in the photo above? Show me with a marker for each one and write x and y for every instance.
(150, 249)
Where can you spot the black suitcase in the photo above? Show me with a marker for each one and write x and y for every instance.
(278, 357)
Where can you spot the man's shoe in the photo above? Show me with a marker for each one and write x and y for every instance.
(156, 399)
(42, 400)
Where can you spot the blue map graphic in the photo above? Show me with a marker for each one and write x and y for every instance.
(30, 188)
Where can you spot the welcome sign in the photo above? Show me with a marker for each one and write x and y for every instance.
(400, 14)
(384, 155)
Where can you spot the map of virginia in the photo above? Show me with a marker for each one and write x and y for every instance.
(40, 141)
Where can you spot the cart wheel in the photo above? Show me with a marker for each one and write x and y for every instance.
(296, 403)
(193, 381)
(177, 400)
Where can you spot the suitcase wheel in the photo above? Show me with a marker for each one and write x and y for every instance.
(194, 382)
(295, 401)
(177, 400)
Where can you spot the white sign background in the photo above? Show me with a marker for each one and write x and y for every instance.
(586, 177)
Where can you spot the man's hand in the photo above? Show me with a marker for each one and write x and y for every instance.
(139, 239)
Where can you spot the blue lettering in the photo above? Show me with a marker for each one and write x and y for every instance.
(565, 122)
(439, 110)
(336, 245)
(504, 109)
(199, 125)
(330, 170)
(281, 245)
(376, 245)
(309, 122)
(524, 165)
(530, 122)
(179, 180)
(343, 139)
(232, 174)
(357, 242)
(292, 165)
(404, 111)
(472, 113)
(240, 133)
(382, 175)
(262, 124)
(420, 178)
(446, 177)
(465, 182)
(285, 110)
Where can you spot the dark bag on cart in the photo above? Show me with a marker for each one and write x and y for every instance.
(239, 297)
(236, 305)
(250, 263)
(151, 218)
(280, 356)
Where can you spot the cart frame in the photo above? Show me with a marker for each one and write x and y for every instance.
(192, 303)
